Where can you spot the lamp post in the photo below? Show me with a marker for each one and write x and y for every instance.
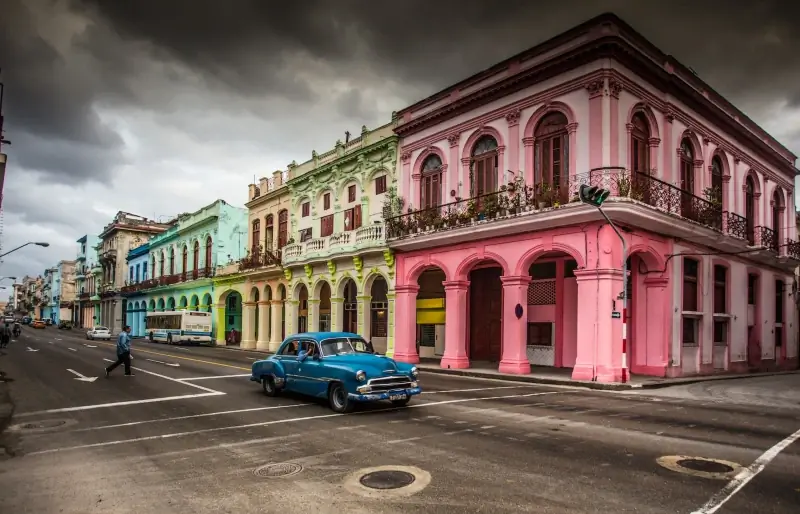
(23, 246)
(595, 196)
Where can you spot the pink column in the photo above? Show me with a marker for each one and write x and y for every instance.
(405, 158)
(668, 173)
(572, 130)
(653, 144)
(595, 89)
(529, 165)
(515, 329)
(405, 336)
(454, 177)
(513, 142)
(455, 329)
(466, 186)
(614, 89)
(738, 206)
(501, 169)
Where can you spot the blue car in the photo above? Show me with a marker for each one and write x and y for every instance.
(337, 366)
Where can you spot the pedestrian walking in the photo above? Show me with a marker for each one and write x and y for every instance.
(123, 352)
(5, 335)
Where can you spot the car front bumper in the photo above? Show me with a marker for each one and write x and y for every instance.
(397, 394)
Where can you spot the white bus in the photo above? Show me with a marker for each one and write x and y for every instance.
(175, 327)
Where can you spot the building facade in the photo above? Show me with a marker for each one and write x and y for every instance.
(47, 305)
(125, 231)
(138, 260)
(499, 261)
(64, 291)
(84, 262)
(183, 259)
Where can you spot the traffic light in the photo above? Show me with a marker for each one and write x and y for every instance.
(593, 195)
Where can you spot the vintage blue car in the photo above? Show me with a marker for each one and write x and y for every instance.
(336, 366)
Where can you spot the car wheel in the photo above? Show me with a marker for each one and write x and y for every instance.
(268, 384)
(400, 403)
(338, 400)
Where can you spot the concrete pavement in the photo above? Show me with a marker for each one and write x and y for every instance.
(189, 433)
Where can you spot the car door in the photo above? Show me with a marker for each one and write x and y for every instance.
(288, 359)
(312, 370)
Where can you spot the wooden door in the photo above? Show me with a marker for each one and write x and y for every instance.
(486, 300)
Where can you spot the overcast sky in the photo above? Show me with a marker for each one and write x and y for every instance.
(162, 106)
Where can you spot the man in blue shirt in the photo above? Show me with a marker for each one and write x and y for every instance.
(123, 352)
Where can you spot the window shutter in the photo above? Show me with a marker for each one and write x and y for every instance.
(357, 216)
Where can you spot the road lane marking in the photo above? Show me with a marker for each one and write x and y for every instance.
(89, 346)
(32, 350)
(194, 416)
(80, 377)
(71, 349)
(192, 379)
(138, 350)
(483, 389)
(173, 364)
(745, 475)
(273, 422)
(172, 379)
(116, 404)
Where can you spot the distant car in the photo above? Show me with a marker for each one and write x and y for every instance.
(327, 365)
(27, 320)
(64, 325)
(38, 324)
(99, 333)
(48, 321)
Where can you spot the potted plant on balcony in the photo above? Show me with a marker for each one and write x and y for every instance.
(503, 203)
(490, 206)
(545, 196)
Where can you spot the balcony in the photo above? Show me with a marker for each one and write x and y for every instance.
(322, 248)
(259, 260)
(97, 270)
(167, 280)
(636, 199)
(109, 255)
(84, 296)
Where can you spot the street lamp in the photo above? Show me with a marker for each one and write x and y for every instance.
(23, 246)
(595, 196)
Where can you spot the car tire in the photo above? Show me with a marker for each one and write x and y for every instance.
(401, 403)
(338, 400)
(268, 385)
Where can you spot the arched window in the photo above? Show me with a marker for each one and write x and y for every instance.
(430, 183)
(283, 228)
(196, 257)
(268, 243)
(750, 209)
(484, 166)
(184, 260)
(256, 237)
(716, 180)
(172, 261)
(777, 212)
(209, 248)
(687, 179)
(640, 144)
(552, 156)
(161, 267)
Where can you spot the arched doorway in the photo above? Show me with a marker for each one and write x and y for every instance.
(485, 312)
(350, 305)
(233, 316)
(194, 303)
(552, 338)
(183, 303)
(255, 296)
(431, 313)
(302, 309)
(171, 304)
(379, 314)
(750, 209)
(160, 305)
(325, 307)
(687, 178)
(646, 329)
(206, 306)
(552, 158)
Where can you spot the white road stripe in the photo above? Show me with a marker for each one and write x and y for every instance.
(193, 416)
(273, 422)
(172, 379)
(72, 349)
(116, 404)
(481, 389)
(192, 379)
(745, 475)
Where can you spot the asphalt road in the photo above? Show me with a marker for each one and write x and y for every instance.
(191, 434)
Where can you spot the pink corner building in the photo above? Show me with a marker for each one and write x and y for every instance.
(497, 260)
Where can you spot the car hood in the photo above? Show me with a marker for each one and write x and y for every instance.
(371, 364)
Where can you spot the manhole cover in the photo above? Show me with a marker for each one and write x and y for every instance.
(705, 466)
(283, 469)
(387, 479)
(43, 424)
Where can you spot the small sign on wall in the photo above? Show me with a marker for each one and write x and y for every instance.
(615, 315)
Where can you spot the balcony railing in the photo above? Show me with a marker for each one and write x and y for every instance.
(260, 259)
(368, 236)
(766, 237)
(84, 296)
(518, 199)
(109, 254)
(167, 280)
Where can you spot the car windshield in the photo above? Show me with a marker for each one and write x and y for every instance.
(100, 329)
(342, 345)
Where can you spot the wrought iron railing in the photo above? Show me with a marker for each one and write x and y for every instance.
(793, 249)
(260, 259)
(768, 238)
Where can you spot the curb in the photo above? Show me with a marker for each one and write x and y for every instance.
(237, 349)
(597, 385)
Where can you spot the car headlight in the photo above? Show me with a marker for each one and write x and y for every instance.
(414, 372)
(361, 376)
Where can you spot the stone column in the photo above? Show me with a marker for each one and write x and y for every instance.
(313, 315)
(220, 329)
(364, 313)
(263, 325)
(337, 314)
(248, 325)
(390, 321)
(515, 328)
(513, 145)
(405, 341)
(276, 323)
(292, 308)
(455, 325)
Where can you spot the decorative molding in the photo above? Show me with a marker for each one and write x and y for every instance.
(614, 87)
(405, 156)
(595, 87)
(572, 128)
(453, 139)
(513, 117)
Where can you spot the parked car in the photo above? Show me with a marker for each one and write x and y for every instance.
(98, 333)
(27, 320)
(48, 321)
(327, 365)
(64, 325)
(38, 324)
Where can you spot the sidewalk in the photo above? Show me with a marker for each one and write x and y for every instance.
(563, 376)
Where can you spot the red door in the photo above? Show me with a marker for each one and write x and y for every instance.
(485, 309)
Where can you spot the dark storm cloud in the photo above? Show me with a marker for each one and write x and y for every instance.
(748, 51)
